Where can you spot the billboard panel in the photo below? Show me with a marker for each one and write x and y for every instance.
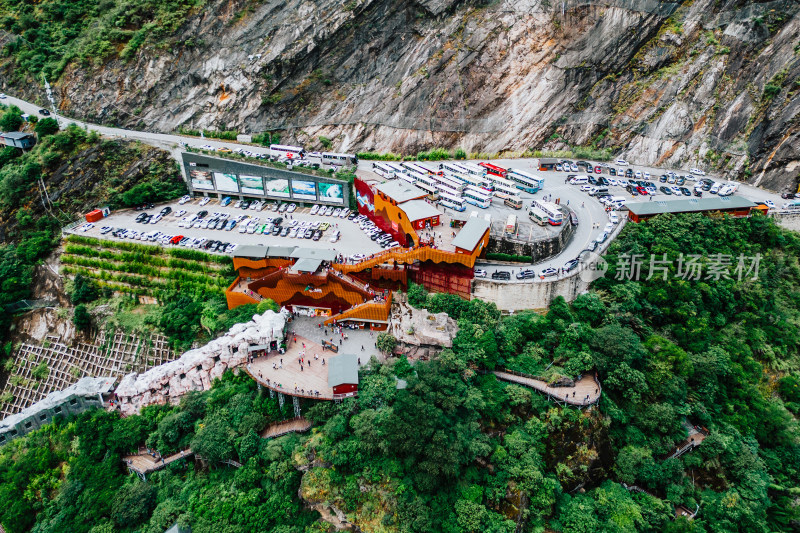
(226, 182)
(201, 179)
(303, 190)
(331, 192)
(251, 184)
(279, 187)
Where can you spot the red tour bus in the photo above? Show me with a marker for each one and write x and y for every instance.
(493, 169)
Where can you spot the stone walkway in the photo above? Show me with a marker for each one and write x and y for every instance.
(308, 327)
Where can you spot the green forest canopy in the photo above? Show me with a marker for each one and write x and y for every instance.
(459, 451)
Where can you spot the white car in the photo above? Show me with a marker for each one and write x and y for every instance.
(105, 229)
(573, 167)
(207, 147)
(205, 200)
(623, 183)
(291, 208)
(612, 181)
(185, 199)
(609, 228)
(586, 188)
(696, 172)
(179, 213)
(770, 204)
(86, 227)
(335, 236)
(345, 212)
(621, 162)
(637, 175)
(3, 96)
(480, 273)
(256, 206)
(646, 175)
(238, 204)
(357, 257)
(613, 217)
(314, 209)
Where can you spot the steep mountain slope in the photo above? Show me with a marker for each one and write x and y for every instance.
(702, 82)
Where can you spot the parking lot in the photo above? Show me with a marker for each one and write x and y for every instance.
(352, 238)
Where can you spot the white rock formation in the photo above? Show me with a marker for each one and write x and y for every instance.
(197, 368)
(419, 327)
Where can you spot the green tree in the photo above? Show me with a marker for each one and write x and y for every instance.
(46, 126)
(81, 318)
(133, 504)
(11, 120)
(386, 342)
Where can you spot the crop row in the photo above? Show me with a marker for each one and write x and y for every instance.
(145, 285)
(147, 259)
(150, 249)
(145, 270)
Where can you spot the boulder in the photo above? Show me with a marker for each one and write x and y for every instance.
(419, 327)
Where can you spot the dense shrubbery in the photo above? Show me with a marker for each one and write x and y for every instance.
(75, 480)
(509, 257)
(54, 33)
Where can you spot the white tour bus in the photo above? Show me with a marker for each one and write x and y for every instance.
(553, 212)
(538, 216)
(433, 193)
(332, 158)
(504, 188)
(383, 170)
(477, 196)
(511, 224)
(473, 169)
(277, 151)
(449, 182)
(453, 202)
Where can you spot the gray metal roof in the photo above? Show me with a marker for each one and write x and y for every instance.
(251, 251)
(281, 251)
(547, 161)
(314, 253)
(471, 233)
(343, 368)
(400, 190)
(419, 209)
(306, 265)
(17, 135)
(688, 205)
(87, 386)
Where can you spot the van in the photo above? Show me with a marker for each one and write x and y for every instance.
(599, 190)
(617, 199)
(579, 180)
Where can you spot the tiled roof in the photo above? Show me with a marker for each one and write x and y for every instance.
(471, 234)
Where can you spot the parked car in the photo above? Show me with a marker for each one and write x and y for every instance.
(185, 199)
(570, 265)
(314, 209)
(621, 162)
(696, 172)
(526, 274)
(225, 201)
(480, 273)
(501, 274)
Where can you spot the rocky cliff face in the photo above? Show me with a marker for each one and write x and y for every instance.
(712, 83)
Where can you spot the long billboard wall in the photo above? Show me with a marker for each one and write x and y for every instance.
(222, 176)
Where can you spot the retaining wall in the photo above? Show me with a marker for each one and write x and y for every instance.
(539, 250)
(511, 296)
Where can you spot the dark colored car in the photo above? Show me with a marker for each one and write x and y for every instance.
(276, 230)
(629, 173)
(665, 190)
(680, 181)
(698, 193)
(592, 180)
(44, 112)
(612, 171)
(352, 215)
(166, 211)
(501, 274)
(663, 178)
(246, 204)
(685, 191)
(278, 221)
(202, 214)
(141, 217)
(570, 265)
(309, 233)
(602, 181)
(787, 195)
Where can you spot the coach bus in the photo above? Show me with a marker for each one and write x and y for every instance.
(538, 216)
(554, 215)
(416, 167)
(453, 202)
(475, 181)
(383, 170)
(477, 196)
(332, 158)
(504, 188)
(511, 224)
(493, 169)
(525, 181)
(450, 183)
(276, 151)
(473, 169)
(514, 202)
(433, 193)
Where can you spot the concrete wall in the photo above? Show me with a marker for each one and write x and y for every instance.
(516, 296)
(789, 221)
(539, 250)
